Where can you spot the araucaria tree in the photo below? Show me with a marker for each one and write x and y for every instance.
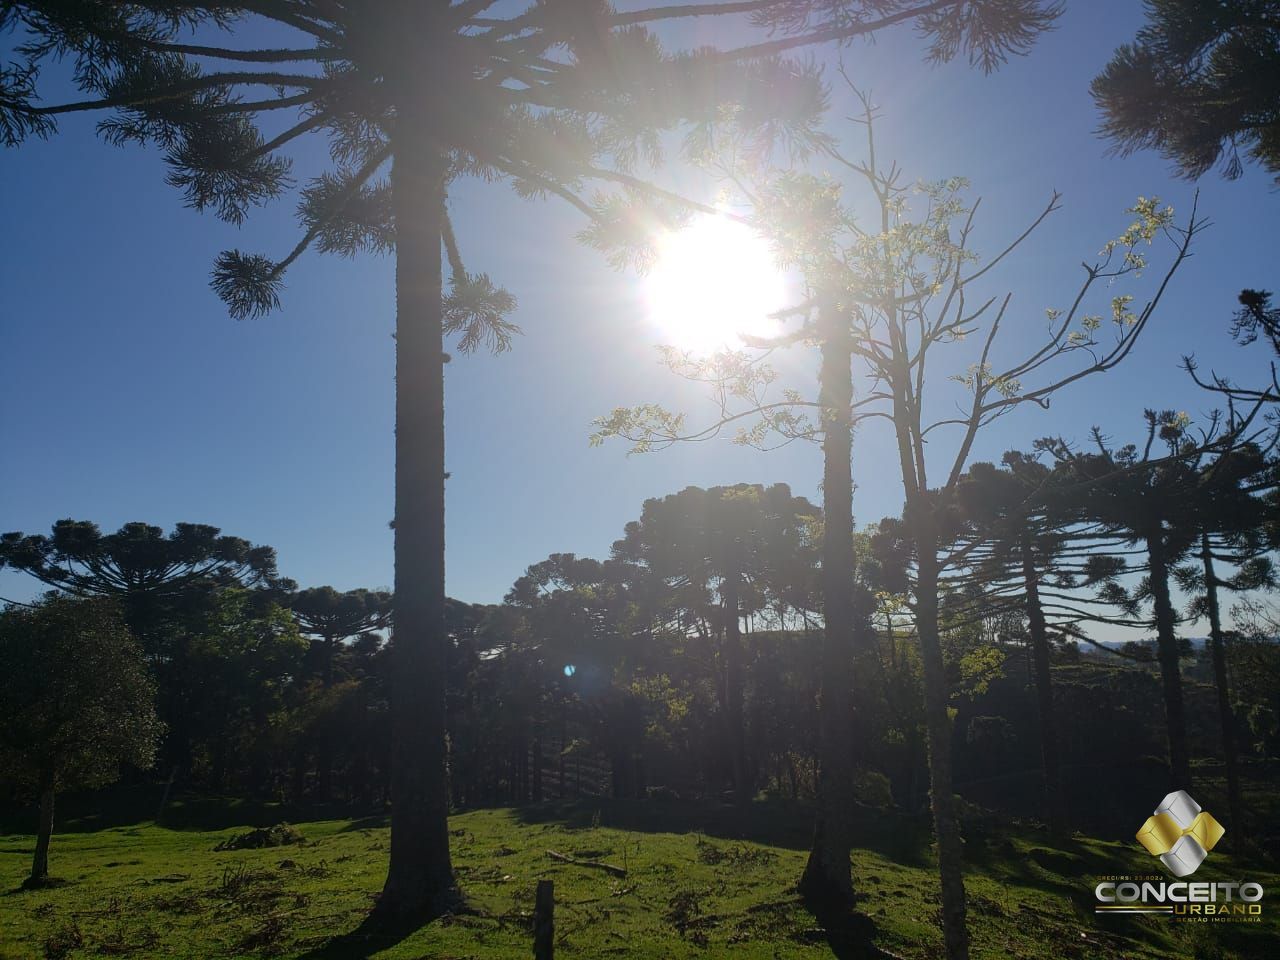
(734, 544)
(146, 572)
(330, 618)
(902, 290)
(1149, 500)
(1013, 545)
(410, 97)
(1233, 534)
(1198, 84)
(76, 702)
(167, 587)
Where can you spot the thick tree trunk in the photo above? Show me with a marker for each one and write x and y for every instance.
(1170, 671)
(955, 933)
(420, 876)
(44, 830)
(827, 874)
(733, 677)
(1235, 802)
(1054, 805)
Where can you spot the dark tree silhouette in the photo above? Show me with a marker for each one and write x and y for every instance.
(826, 872)
(330, 618)
(237, 667)
(75, 702)
(1256, 316)
(577, 612)
(731, 541)
(1151, 501)
(1023, 544)
(733, 377)
(1026, 548)
(1232, 531)
(138, 566)
(1199, 84)
(167, 588)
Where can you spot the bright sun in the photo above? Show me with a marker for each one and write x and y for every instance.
(712, 281)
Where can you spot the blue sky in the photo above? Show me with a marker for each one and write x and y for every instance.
(127, 394)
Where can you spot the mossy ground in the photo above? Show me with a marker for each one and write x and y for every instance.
(702, 881)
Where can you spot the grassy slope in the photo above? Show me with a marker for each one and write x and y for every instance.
(693, 889)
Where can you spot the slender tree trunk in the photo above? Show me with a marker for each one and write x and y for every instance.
(913, 765)
(1235, 802)
(733, 677)
(537, 769)
(324, 768)
(923, 531)
(1170, 671)
(324, 749)
(218, 763)
(260, 763)
(326, 672)
(44, 830)
(564, 743)
(358, 789)
(420, 876)
(955, 933)
(522, 770)
(618, 764)
(1054, 806)
(300, 774)
(827, 873)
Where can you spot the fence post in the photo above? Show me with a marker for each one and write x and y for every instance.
(544, 921)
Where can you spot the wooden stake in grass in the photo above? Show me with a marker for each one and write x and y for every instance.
(544, 921)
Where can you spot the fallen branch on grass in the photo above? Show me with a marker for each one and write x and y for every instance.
(597, 864)
(617, 892)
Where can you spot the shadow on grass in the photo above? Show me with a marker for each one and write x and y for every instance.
(375, 822)
(1068, 869)
(27, 886)
(893, 834)
(127, 806)
(375, 933)
(380, 931)
(849, 935)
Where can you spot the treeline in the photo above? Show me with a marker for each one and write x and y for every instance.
(687, 662)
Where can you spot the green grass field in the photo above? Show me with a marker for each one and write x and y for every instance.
(701, 881)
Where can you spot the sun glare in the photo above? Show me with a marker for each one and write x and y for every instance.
(713, 280)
